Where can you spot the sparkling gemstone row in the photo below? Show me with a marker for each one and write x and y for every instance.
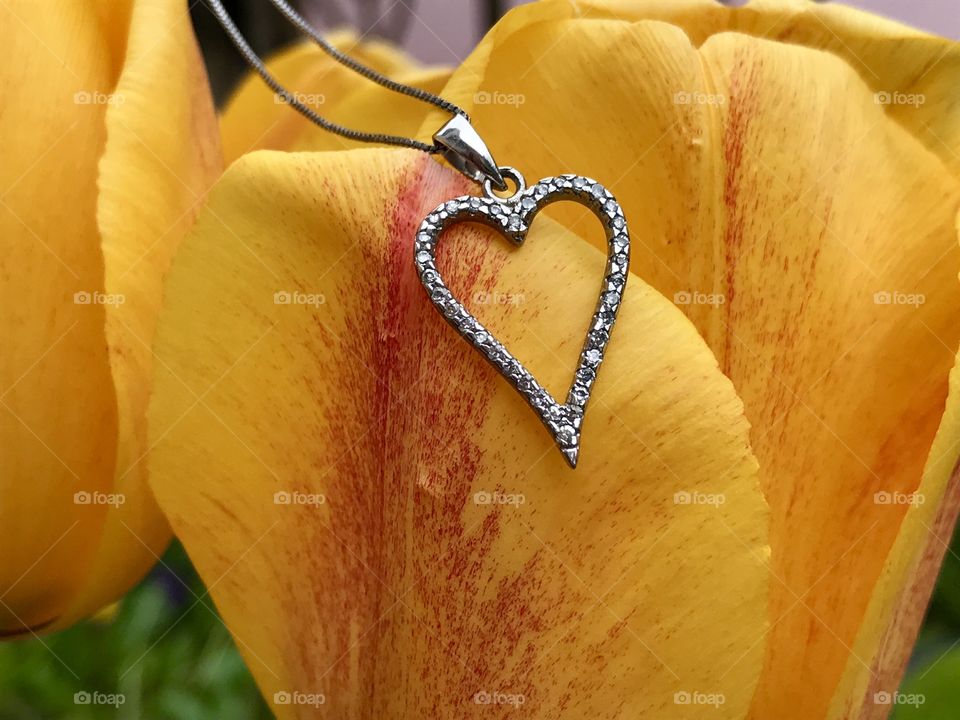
(513, 217)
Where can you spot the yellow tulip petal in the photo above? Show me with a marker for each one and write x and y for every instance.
(864, 302)
(766, 176)
(154, 174)
(114, 26)
(912, 73)
(400, 592)
(54, 347)
(96, 192)
(255, 119)
(897, 608)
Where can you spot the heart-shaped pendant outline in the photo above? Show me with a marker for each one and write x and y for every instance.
(512, 217)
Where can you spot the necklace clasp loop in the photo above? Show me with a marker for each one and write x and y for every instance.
(518, 181)
(462, 147)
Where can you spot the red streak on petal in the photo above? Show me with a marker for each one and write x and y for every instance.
(398, 575)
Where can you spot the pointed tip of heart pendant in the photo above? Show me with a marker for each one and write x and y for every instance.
(572, 454)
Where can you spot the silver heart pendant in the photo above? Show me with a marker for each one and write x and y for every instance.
(512, 216)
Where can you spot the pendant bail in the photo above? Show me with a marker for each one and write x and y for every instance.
(462, 147)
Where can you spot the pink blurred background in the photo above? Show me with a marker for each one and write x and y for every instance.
(444, 31)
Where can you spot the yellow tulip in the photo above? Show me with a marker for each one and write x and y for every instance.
(111, 142)
(764, 491)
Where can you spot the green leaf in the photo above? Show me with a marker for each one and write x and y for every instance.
(931, 692)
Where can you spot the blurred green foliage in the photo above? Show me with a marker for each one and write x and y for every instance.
(165, 651)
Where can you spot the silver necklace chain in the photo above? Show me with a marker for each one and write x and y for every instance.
(257, 64)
